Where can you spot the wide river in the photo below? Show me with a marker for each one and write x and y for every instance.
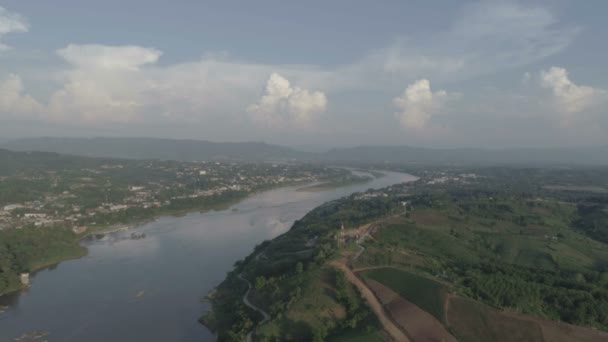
(150, 288)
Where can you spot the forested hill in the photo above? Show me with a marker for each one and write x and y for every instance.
(195, 150)
(12, 162)
(152, 148)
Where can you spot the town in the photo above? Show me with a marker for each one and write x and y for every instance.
(91, 194)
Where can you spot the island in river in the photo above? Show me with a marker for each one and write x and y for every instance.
(179, 260)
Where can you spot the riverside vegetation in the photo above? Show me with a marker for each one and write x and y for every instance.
(490, 253)
(48, 201)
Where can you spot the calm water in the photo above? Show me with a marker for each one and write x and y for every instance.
(149, 289)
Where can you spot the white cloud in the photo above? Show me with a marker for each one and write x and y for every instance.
(11, 22)
(128, 57)
(568, 97)
(417, 104)
(283, 104)
(122, 84)
(104, 83)
(14, 101)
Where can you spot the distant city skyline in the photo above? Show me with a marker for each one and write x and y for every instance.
(342, 73)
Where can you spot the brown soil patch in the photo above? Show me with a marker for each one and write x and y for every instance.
(419, 324)
(389, 326)
(430, 218)
(563, 332)
(474, 321)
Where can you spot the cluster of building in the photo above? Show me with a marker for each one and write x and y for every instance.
(76, 201)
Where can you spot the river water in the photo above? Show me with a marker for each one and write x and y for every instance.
(150, 288)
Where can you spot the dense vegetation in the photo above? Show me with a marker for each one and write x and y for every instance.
(306, 298)
(28, 249)
(528, 240)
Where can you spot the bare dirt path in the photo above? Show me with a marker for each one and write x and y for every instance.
(389, 326)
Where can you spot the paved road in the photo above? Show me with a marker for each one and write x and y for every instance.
(248, 303)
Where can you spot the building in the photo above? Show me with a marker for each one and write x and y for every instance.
(12, 207)
(25, 279)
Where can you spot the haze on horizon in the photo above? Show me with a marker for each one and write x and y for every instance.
(434, 73)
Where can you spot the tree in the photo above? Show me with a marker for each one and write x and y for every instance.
(260, 282)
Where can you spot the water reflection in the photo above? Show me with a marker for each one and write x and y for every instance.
(145, 284)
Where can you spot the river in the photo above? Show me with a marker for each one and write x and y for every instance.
(146, 284)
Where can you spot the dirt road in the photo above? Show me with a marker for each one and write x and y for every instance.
(389, 326)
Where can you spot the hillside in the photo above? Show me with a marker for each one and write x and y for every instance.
(451, 257)
(12, 162)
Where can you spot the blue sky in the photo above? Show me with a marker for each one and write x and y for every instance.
(427, 73)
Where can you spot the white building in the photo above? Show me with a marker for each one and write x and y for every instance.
(12, 207)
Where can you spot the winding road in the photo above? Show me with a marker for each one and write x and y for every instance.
(250, 305)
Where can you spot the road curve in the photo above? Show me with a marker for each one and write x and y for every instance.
(250, 305)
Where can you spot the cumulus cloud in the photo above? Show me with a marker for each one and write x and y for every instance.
(103, 84)
(417, 104)
(14, 101)
(121, 84)
(568, 97)
(11, 22)
(100, 83)
(283, 104)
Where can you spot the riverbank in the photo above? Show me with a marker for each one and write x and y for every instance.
(68, 245)
(180, 260)
(293, 281)
(334, 185)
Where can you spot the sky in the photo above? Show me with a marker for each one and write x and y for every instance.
(433, 73)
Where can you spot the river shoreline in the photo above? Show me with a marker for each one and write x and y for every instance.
(180, 260)
(137, 223)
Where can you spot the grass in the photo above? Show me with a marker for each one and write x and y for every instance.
(425, 293)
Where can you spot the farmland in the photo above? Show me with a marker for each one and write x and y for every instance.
(479, 257)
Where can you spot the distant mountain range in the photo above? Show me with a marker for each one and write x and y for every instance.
(588, 155)
(152, 148)
(194, 150)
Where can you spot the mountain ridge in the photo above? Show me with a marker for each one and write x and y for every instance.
(195, 150)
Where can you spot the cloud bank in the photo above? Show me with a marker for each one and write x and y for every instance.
(13, 99)
(95, 84)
